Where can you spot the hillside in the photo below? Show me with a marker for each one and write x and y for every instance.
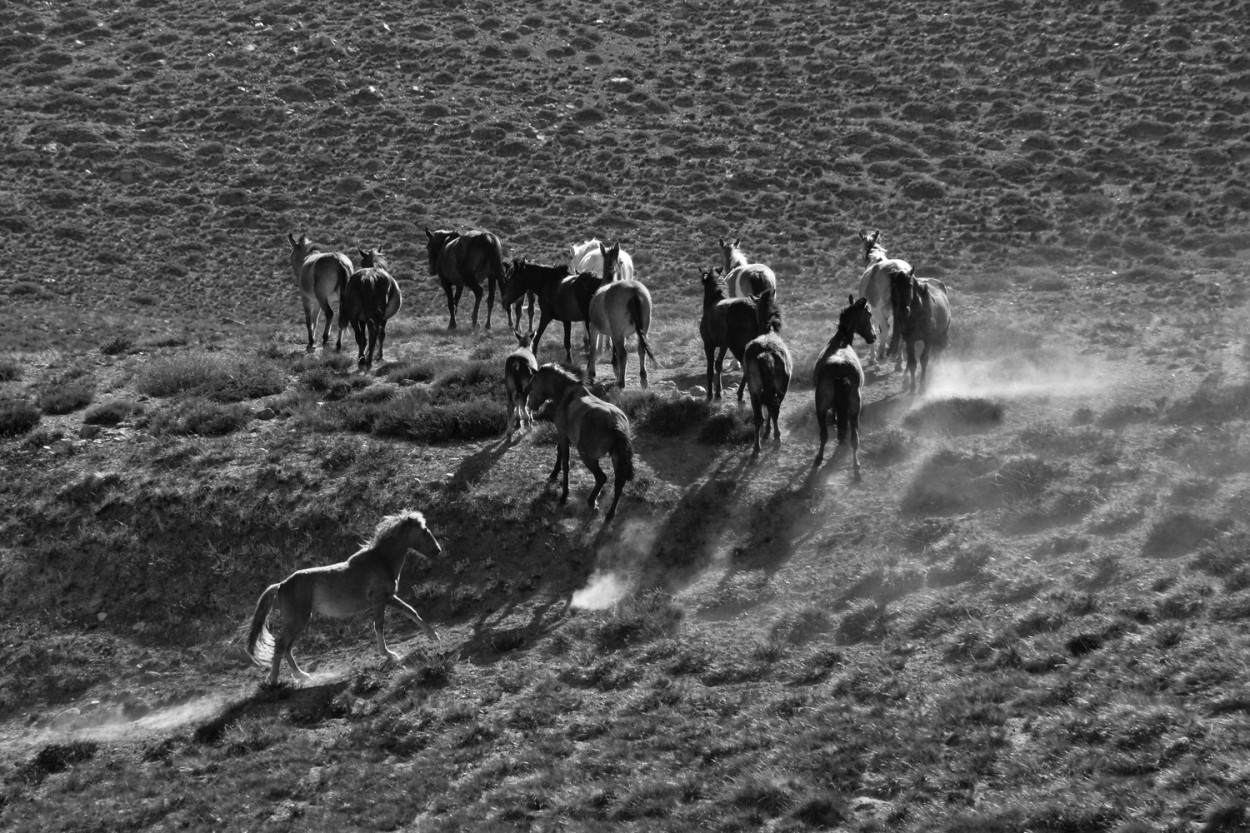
(1028, 614)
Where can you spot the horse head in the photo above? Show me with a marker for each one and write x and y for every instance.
(872, 249)
(435, 242)
(902, 293)
(524, 340)
(371, 259)
(857, 319)
(713, 284)
(731, 252)
(611, 261)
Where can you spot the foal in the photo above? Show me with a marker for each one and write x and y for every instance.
(838, 377)
(767, 366)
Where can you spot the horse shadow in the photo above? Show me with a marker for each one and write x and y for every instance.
(302, 705)
(476, 465)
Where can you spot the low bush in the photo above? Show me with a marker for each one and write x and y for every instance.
(111, 412)
(17, 416)
(200, 417)
(213, 377)
(67, 396)
(10, 370)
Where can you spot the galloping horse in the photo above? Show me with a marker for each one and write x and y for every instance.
(922, 312)
(875, 287)
(467, 259)
(619, 309)
(561, 297)
(838, 377)
(767, 367)
(744, 279)
(518, 371)
(370, 298)
(727, 324)
(366, 582)
(320, 277)
(594, 426)
(614, 264)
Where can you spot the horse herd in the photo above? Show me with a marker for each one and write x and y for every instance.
(597, 287)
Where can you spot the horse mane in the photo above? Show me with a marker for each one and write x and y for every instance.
(387, 530)
(568, 376)
(767, 313)
(376, 261)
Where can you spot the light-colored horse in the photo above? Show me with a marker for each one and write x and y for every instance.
(744, 279)
(838, 378)
(594, 426)
(767, 366)
(370, 299)
(320, 277)
(518, 371)
(592, 256)
(617, 311)
(875, 286)
(365, 583)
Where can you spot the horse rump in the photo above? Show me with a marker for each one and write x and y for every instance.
(635, 317)
(622, 453)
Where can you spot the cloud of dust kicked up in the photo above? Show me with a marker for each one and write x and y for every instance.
(617, 563)
(1017, 375)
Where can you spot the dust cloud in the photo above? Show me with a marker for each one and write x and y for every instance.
(618, 563)
(1017, 376)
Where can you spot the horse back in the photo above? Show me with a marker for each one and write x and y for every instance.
(610, 308)
(875, 283)
(837, 365)
(471, 254)
(750, 280)
(518, 369)
(733, 324)
(768, 364)
(590, 424)
(324, 274)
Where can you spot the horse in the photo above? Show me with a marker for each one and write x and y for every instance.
(922, 312)
(561, 297)
(744, 279)
(767, 367)
(366, 582)
(838, 377)
(594, 426)
(370, 298)
(518, 371)
(620, 308)
(460, 259)
(727, 324)
(875, 286)
(613, 263)
(320, 277)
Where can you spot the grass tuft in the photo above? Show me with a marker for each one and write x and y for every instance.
(17, 416)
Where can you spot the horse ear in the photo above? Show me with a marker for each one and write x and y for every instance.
(721, 240)
(427, 233)
(737, 240)
(875, 235)
(852, 298)
(291, 239)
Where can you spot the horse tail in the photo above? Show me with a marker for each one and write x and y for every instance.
(623, 452)
(842, 405)
(635, 318)
(494, 260)
(259, 640)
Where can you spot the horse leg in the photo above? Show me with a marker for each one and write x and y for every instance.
(618, 486)
(379, 620)
(911, 365)
(592, 358)
(358, 329)
(600, 479)
(543, 321)
(757, 412)
(328, 312)
(720, 369)
(620, 360)
(476, 289)
(568, 341)
(490, 299)
(853, 419)
(564, 465)
(408, 610)
(822, 409)
(453, 300)
(310, 321)
(282, 648)
(924, 367)
(710, 351)
(381, 339)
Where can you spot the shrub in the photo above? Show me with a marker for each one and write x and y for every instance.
(117, 345)
(459, 420)
(10, 370)
(17, 416)
(110, 413)
(68, 396)
(201, 417)
(727, 426)
(213, 377)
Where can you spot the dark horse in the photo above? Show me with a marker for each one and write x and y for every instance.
(767, 367)
(370, 298)
(466, 259)
(838, 377)
(922, 312)
(727, 324)
(561, 297)
(594, 426)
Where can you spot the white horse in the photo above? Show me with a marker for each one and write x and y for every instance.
(875, 286)
(592, 256)
(744, 279)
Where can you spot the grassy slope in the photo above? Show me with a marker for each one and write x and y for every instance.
(1030, 622)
